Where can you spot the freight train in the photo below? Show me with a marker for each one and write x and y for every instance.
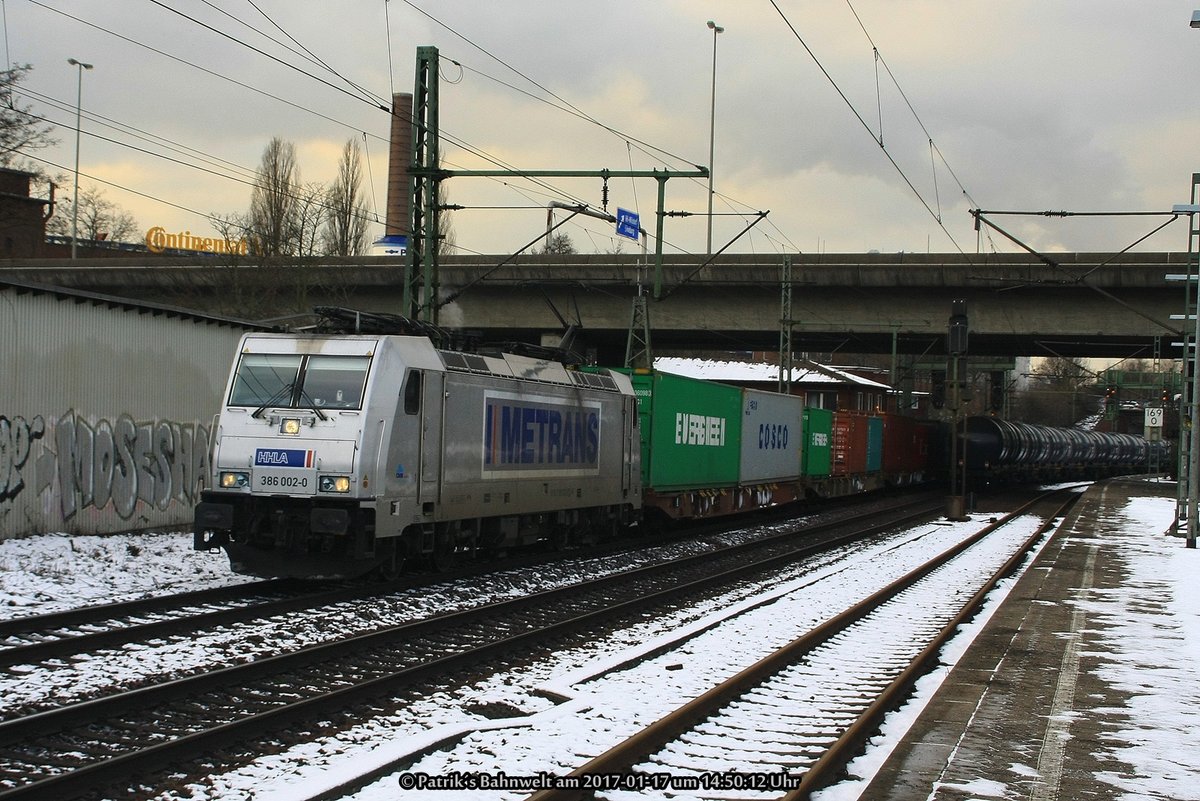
(343, 454)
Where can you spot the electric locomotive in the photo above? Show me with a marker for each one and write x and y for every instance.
(341, 455)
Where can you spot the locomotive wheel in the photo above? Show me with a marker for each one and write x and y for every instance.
(392, 565)
(560, 537)
(445, 547)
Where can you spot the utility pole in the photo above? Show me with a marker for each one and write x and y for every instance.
(785, 327)
(956, 347)
(422, 267)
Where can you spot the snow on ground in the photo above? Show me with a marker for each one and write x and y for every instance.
(1151, 628)
(610, 685)
(52, 572)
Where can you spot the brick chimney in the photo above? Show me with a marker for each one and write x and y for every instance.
(400, 156)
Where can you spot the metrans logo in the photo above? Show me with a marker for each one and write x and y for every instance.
(540, 435)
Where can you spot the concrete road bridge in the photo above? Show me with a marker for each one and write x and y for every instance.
(1070, 304)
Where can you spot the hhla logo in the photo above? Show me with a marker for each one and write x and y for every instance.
(158, 240)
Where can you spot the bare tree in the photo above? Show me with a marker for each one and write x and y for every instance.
(1061, 393)
(274, 207)
(312, 218)
(557, 244)
(346, 226)
(99, 218)
(231, 227)
(20, 130)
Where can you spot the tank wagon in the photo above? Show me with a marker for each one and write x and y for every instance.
(1002, 451)
(339, 455)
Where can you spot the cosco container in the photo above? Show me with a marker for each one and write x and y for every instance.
(771, 436)
(691, 431)
(816, 454)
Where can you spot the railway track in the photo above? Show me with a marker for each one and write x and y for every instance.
(67, 634)
(69, 750)
(36, 638)
(785, 726)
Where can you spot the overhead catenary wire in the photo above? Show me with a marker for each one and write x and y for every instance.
(566, 106)
(561, 104)
(878, 140)
(193, 65)
(242, 174)
(630, 142)
(317, 59)
(357, 96)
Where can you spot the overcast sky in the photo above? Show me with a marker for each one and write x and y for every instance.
(1031, 105)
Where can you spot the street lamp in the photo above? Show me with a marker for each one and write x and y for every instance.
(712, 121)
(1193, 434)
(1193, 514)
(75, 202)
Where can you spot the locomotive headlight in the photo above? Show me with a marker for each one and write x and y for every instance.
(290, 425)
(234, 480)
(334, 483)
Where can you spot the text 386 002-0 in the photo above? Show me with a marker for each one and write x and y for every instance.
(295, 482)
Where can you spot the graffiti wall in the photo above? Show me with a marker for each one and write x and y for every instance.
(105, 412)
(84, 467)
(69, 473)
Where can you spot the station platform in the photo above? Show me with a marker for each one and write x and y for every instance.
(1056, 698)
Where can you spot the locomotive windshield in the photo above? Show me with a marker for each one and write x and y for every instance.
(295, 381)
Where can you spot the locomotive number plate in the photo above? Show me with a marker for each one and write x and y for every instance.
(285, 480)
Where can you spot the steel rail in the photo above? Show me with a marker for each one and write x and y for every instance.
(99, 613)
(183, 747)
(621, 758)
(61, 646)
(180, 621)
(849, 744)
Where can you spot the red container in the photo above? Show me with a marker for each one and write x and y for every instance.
(905, 444)
(849, 449)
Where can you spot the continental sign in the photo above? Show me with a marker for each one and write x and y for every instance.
(158, 240)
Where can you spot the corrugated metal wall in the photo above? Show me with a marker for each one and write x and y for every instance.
(105, 411)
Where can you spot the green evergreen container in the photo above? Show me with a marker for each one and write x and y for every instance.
(691, 431)
(816, 454)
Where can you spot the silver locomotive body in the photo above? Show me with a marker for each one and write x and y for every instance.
(338, 455)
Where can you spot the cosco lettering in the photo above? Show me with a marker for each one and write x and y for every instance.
(772, 436)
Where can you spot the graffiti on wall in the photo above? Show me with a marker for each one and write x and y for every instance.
(16, 440)
(97, 464)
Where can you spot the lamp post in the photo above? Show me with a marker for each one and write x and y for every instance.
(1193, 514)
(78, 108)
(712, 122)
(1193, 463)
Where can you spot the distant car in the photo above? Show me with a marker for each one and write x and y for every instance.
(1130, 405)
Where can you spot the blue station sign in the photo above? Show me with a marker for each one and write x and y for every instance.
(628, 224)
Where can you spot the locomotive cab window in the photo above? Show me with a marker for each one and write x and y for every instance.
(334, 381)
(293, 381)
(412, 392)
(265, 379)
